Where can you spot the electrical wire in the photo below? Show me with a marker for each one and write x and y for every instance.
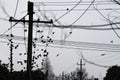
(3, 19)
(100, 29)
(90, 62)
(11, 26)
(61, 5)
(16, 8)
(87, 27)
(68, 11)
(79, 45)
(109, 22)
(103, 58)
(73, 2)
(116, 2)
(71, 47)
(83, 13)
(103, 9)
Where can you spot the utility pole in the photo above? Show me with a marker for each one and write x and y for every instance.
(63, 76)
(11, 54)
(81, 73)
(30, 35)
(11, 59)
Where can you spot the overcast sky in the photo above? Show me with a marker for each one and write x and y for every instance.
(68, 58)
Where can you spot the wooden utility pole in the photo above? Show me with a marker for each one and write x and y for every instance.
(30, 35)
(63, 75)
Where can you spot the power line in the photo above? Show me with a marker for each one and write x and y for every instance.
(58, 5)
(3, 19)
(68, 11)
(70, 3)
(90, 62)
(12, 26)
(86, 27)
(83, 13)
(106, 9)
(105, 58)
(108, 58)
(71, 47)
(74, 44)
(89, 27)
(116, 2)
(73, 1)
(16, 8)
(108, 20)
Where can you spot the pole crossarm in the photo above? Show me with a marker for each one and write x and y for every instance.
(34, 21)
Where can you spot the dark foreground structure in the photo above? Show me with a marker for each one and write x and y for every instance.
(20, 75)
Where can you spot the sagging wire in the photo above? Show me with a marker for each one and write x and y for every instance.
(109, 22)
(78, 17)
(12, 26)
(90, 62)
(116, 2)
(64, 10)
(109, 58)
(68, 11)
(61, 2)
(114, 17)
(82, 14)
(3, 19)
(44, 16)
(16, 8)
(50, 27)
(74, 44)
(81, 48)
(50, 32)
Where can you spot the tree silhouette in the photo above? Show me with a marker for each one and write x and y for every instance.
(38, 75)
(75, 75)
(47, 69)
(113, 73)
(4, 73)
(21, 75)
